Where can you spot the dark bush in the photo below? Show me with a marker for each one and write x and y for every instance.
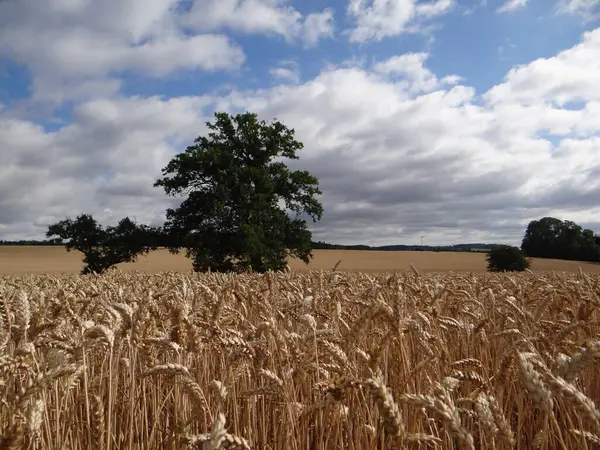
(506, 258)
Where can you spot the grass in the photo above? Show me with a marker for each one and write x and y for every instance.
(132, 360)
(31, 260)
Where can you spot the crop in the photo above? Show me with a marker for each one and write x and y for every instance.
(320, 360)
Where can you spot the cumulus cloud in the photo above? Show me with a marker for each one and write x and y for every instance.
(261, 16)
(570, 76)
(399, 148)
(86, 44)
(106, 160)
(286, 71)
(397, 152)
(80, 49)
(410, 68)
(379, 19)
(317, 26)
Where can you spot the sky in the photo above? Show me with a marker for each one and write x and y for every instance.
(455, 120)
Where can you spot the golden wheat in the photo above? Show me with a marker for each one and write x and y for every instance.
(319, 360)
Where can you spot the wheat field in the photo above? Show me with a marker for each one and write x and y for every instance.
(317, 360)
(22, 260)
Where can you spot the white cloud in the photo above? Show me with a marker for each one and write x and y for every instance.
(398, 148)
(57, 90)
(570, 76)
(409, 68)
(91, 44)
(512, 5)
(379, 19)
(84, 43)
(317, 26)
(285, 74)
(106, 160)
(587, 10)
(261, 16)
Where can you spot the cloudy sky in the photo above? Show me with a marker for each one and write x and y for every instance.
(461, 120)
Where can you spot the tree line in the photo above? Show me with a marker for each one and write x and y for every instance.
(104, 247)
(557, 239)
(548, 237)
(474, 247)
(32, 242)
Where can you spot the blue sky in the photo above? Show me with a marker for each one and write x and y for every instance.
(459, 119)
(473, 39)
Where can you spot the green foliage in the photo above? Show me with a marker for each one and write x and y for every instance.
(507, 258)
(234, 184)
(103, 248)
(553, 238)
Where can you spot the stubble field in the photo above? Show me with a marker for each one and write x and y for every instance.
(297, 360)
(30, 260)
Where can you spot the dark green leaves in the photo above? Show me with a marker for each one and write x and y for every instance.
(242, 206)
(103, 248)
(553, 238)
(235, 186)
(506, 258)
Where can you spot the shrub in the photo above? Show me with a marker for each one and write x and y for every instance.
(506, 258)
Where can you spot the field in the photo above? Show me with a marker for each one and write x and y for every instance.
(157, 357)
(23, 260)
(300, 361)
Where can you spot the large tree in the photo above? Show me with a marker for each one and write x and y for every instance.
(243, 207)
(553, 238)
(103, 248)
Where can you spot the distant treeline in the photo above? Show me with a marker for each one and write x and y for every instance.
(477, 247)
(48, 242)
(319, 246)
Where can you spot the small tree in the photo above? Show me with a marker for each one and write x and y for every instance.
(243, 207)
(103, 248)
(506, 258)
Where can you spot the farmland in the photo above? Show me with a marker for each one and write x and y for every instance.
(300, 360)
(155, 357)
(30, 260)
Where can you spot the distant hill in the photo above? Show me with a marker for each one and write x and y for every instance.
(475, 247)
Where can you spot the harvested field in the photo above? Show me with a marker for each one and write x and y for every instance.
(300, 360)
(31, 260)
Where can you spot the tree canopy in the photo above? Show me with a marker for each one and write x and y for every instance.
(553, 238)
(103, 248)
(506, 258)
(243, 208)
